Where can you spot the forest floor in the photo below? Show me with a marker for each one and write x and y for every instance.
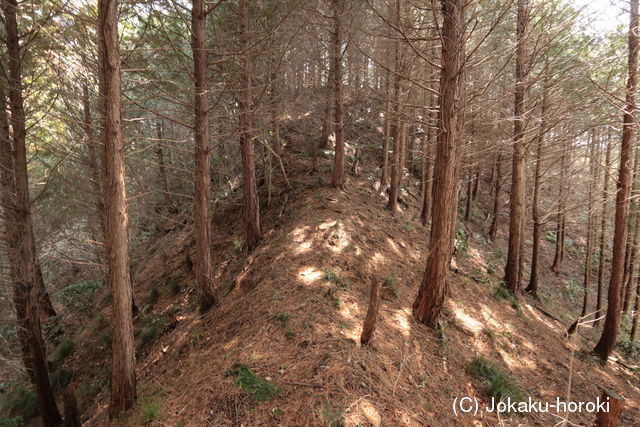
(282, 347)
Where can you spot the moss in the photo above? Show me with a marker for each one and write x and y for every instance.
(252, 384)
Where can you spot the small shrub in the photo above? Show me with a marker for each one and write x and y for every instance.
(333, 417)
(60, 379)
(551, 237)
(496, 383)
(252, 384)
(104, 340)
(228, 286)
(237, 246)
(150, 412)
(53, 329)
(20, 403)
(174, 286)
(282, 317)
(289, 334)
(462, 242)
(628, 348)
(408, 226)
(63, 349)
(89, 389)
(572, 289)
(391, 285)
(79, 297)
(151, 329)
(97, 323)
(10, 422)
(502, 293)
(335, 278)
(154, 294)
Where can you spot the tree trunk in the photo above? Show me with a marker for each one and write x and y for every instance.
(44, 300)
(532, 287)
(252, 230)
(123, 374)
(427, 197)
(636, 316)
(610, 417)
(612, 321)
(603, 232)
(476, 183)
(22, 253)
(94, 170)
(587, 259)
(467, 209)
(384, 179)
(516, 214)
(632, 238)
(396, 130)
(162, 172)
(372, 313)
(493, 230)
(338, 167)
(202, 175)
(559, 251)
(428, 304)
(274, 98)
(628, 284)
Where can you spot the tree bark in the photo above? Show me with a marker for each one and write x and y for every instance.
(516, 205)
(22, 252)
(123, 374)
(589, 249)
(633, 237)
(372, 313)
(162, 172)
(396, 167)
(94, 170)
(560, 220)
(202, 175)
(338, 167)
(467, 209)
(251, 216)
(607, 341)
(636, 315)
(603, 232)
(428, 304)
(611, 416)
(427, 197)
(384, 178)
(532, 287)
(497, 187)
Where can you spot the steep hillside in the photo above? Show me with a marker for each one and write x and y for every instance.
(291, 312)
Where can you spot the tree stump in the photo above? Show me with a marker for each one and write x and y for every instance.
(372, 313)
(611, 416)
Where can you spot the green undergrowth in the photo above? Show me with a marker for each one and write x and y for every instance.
(253, 384)
(496, 382)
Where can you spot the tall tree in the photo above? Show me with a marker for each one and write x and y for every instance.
(603, 230)
(252, 230)
(532, 287)
(516, 204)
(336, 57)
(202, 174)
(123, 372)
(588, 268)
(428, 304)
(22, 251)
(607, 341)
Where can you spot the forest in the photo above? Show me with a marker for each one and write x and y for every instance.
(319, 212)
